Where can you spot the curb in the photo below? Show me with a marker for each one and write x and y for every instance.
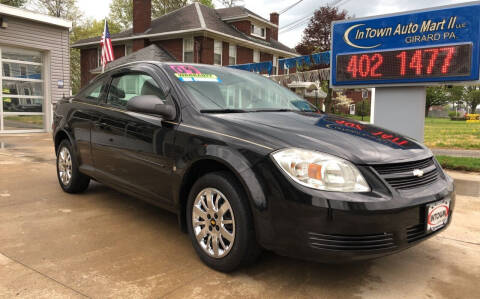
(468, 188)
(467, 184)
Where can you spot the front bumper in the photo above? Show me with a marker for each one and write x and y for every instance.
(336, 236)
(334, 228)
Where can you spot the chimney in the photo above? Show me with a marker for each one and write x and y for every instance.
(274, 17)
(142, 15)
(142, 20)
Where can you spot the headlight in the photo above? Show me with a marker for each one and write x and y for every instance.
(320, 171)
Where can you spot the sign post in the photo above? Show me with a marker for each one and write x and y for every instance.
(400, 54)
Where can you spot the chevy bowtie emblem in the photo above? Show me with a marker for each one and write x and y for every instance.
(418, 173)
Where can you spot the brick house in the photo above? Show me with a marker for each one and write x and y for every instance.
(195, 33)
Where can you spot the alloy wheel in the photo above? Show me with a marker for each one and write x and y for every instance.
(65, 166)
(213, 222)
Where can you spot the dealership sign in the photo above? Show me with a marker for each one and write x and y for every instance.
(415, 48)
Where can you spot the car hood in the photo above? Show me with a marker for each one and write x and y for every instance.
(355, 141)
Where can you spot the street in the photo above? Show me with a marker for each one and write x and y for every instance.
(106, 244)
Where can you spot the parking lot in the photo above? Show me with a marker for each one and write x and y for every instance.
(106, 244)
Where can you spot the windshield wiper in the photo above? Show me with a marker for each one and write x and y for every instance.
(274, 110)
(223, 111)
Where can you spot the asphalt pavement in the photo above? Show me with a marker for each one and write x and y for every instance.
(104, 244)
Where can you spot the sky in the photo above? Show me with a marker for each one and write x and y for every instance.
(99, 9)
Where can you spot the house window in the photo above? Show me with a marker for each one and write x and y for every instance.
(275, 65)
(258, 31)
(256, 56)
(188, 49)
(128, 49)
(99, 56)
(217, 53)
(232, 54)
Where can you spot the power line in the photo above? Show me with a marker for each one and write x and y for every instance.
(290, 7)
(296, 21)
(305, 19)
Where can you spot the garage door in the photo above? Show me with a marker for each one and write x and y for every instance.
(23, 91)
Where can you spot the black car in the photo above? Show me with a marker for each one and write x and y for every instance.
(245, 167)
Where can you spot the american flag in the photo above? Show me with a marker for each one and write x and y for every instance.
(107, 49)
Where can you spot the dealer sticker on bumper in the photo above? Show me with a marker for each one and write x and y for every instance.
(437, 214)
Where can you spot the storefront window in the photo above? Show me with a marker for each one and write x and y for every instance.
(21, 55)
(18, 70)
(22, 90)
(20, 87)
(15, 104)
(22, 122)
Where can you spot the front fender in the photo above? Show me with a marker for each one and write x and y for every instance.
(236, 162)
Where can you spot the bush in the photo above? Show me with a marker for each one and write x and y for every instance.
(454, 116)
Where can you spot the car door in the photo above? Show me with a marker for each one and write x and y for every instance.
(82, 119)
(134, 150)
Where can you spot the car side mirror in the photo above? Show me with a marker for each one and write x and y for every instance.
(153, 105)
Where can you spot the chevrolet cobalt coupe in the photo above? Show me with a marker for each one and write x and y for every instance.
(247, 165)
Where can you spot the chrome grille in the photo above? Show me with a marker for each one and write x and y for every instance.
(400, 175)
(403, 167)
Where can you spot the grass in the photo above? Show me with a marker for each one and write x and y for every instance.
(459, 163)
(444, 133)
(447, 134)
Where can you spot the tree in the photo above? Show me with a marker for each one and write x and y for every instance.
(456, 94)
(16, 3)
(65, 9)
(362, 108)
(316, 37)
(122, 10)
(473, 98)
(208, 3)
(317, 34)
(231, 3)
(436, 96)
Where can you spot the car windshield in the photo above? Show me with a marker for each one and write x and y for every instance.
(217, 89)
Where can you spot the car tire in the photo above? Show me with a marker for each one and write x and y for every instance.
(231, 217)
(69, 177)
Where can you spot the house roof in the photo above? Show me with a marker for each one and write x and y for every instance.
(150, 53)
(8, 10)
(190, 19)
(237, 12)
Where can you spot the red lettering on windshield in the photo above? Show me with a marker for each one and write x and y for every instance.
(185, 69)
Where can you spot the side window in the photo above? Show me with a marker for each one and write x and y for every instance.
(94, 92)
(125, 87)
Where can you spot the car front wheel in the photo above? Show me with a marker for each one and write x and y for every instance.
(69, 177)
(220, 223)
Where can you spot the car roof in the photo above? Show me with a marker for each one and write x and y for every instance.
(160, 64)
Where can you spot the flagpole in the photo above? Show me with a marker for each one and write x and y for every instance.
(103, 46)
